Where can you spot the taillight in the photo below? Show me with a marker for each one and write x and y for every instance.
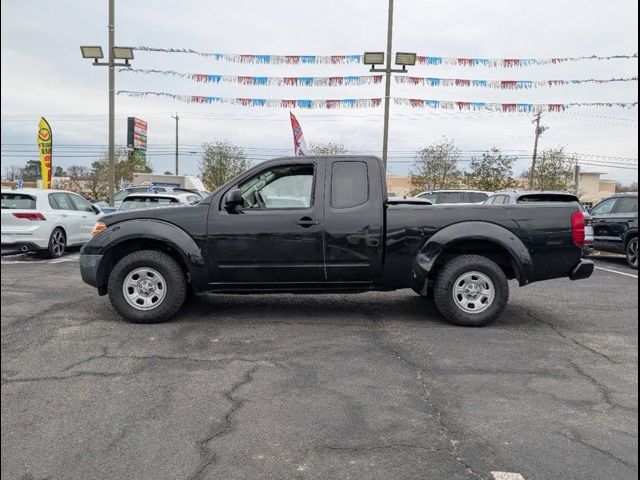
(578, 227)
(99, 227)
(36, 216)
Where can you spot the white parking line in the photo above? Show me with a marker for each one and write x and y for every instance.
(507, 476)
(616, 271)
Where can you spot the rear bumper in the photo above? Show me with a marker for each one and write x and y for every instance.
(19, 247)
(89, 268)
(583, 270)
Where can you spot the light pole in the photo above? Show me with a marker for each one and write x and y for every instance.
(378, 58)
(115, 53)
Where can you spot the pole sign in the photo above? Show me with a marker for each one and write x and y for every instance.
(137, 137)
(45, 147)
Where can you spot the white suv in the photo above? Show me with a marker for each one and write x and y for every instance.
(46, 221)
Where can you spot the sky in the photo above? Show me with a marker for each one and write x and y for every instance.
(43, 74)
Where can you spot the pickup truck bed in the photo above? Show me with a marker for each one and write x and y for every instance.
(324, 224)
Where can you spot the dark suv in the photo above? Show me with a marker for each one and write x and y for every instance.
(615, 221)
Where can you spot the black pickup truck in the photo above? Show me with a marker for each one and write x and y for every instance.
(326, 225)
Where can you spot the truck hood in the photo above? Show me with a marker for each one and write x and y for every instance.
(154, 213)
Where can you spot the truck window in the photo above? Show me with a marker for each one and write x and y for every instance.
(453, 197)
(290, 186)
(349, 184)
(605, 207)
(627, 205)
(478, 197)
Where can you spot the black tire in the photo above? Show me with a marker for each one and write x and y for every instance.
(631, 252)
(57, 244)
(444, 291)
(174, 280)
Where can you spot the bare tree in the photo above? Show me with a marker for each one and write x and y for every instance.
(620, 188)
(436, 167)
(220, 162)
(328, 149)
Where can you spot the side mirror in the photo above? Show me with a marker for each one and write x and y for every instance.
(96, 209)
(234, 201)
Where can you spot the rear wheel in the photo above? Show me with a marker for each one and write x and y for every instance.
(147, 287)
(471, 291)
(57, 244)
(632, 253)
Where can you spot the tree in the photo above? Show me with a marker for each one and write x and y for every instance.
(31, 171)
(491, 172)
(77, 174)
(436, 167)
(220, 162)
(12, 172)
(328, 149)
(554, 170)
(620, 188)
(125, 166)
(59, 172)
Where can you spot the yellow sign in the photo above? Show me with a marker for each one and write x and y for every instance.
(45, 148)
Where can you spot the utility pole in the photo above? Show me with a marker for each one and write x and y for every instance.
(177, 118)
(539, 131)
(387, 88)
(576, 178)
(112, 103)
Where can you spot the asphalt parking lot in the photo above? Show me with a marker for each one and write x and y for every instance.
(372, 386)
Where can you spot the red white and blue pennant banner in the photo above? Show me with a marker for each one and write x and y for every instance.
(373, 102)
(345, 59)
(265, 81)
(263, 102)
(501, 84)
(512, 62)
(504, 107)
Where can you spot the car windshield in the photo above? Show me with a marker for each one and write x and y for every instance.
(135, 203)
(18, 201)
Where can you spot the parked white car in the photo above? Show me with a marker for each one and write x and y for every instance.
(46, 221)
(453, 197)
(137, 201)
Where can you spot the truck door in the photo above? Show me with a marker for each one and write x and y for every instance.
(353, 221)
(277, 236)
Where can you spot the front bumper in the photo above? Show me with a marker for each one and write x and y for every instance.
(583, 270)
(89, 268)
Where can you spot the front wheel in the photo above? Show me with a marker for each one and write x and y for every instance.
(471, 291)
(632, 253)
(147, 287)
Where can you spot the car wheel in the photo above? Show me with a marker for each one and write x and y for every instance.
(471, 291)
(57, 243)
(147, 287)
(632, 253)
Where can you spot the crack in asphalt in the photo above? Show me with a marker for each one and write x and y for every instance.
(51, 307)
(453, 450)
(209, 457)
(569, 338)
(605, 392)
(575, 437)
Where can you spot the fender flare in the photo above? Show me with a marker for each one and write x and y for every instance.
(429, 253)
(632, 232)
(158, 231)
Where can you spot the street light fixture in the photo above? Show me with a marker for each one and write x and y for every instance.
(374, 58)
(119, 53)
(123, 53)
(378, 58)
(405, 59)
(92, 52)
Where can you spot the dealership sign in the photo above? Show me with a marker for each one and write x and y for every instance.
(136, 134)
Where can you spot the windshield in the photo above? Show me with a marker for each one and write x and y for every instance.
(18, 201)
(145, 202)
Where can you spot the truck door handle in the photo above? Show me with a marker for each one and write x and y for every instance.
(306, 222)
